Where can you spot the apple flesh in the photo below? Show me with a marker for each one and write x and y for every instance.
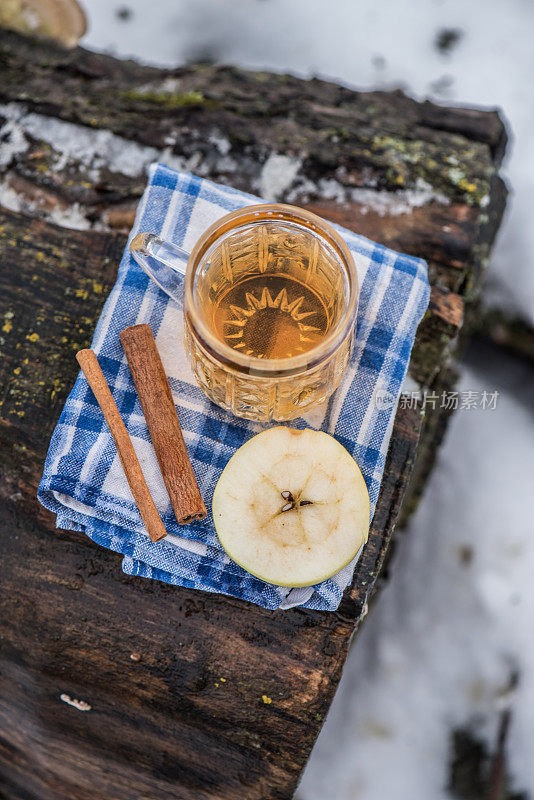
(291, 507)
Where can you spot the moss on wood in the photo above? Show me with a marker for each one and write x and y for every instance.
(167, 100)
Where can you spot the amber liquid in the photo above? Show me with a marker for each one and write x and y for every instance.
(269, 292)
(270, 316)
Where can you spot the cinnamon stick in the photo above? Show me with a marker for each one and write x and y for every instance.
(132, 469)
(156, 400)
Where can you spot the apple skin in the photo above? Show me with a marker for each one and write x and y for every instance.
(249, 462)
(312, 582)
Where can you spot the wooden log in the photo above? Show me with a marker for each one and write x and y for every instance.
(382, 156)
(149, 659)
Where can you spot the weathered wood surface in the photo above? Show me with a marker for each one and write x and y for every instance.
(164, 724)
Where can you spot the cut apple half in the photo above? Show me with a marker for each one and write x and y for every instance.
(291, 507)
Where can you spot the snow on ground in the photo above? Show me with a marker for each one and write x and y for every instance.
(487, 60)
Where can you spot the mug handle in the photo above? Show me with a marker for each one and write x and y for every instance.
(162, 261)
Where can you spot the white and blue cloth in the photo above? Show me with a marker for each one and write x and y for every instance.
(83, 481)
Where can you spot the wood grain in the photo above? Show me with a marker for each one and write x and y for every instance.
(163, 724)
(166, 435)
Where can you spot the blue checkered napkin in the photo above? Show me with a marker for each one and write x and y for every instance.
(83, 481)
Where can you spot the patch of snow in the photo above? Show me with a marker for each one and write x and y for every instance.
(94, 148)
(221, 143)
(302, 191)
(226, 164)
(277, 175)
(12, 142)
(9, 198)
(400, 202)
(385, 203)
(168, 85)
(71, 217)
(332, 190)
(12, 110)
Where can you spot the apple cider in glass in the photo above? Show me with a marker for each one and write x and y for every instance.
(269, 311)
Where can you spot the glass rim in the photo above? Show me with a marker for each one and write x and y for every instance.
(269, 366)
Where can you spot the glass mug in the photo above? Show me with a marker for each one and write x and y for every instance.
(269, 299)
